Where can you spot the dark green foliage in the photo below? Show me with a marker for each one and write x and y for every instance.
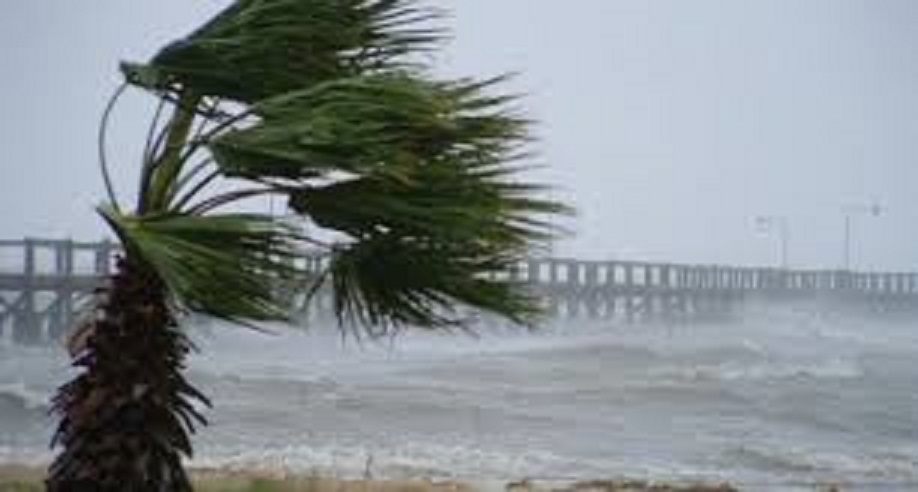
(371, 123)
(438, 200)
(326, 104)
(386, 279)
(418, 166)
(256, 49)
(227, 266)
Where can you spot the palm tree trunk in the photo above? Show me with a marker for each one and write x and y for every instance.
(126, 419)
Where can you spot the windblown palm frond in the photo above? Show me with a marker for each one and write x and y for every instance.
(438, 200)
(406, 168)
(260, 48)
(228, 266)
(371, 124)
(366, 149)
(391, 281)
(420, 246)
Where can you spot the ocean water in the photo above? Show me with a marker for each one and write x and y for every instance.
(776, 399)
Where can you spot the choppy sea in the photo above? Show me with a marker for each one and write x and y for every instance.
(776, 399)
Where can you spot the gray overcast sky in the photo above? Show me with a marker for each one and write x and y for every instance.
(669, 124)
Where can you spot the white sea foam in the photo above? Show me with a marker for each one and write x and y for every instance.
(786, 464)
(30, 398)
(403, 460)
(832, 368)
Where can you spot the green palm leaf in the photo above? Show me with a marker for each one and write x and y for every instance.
(233, 266)
(260, 48)
(438, 200)
(371, 124)
(391, 281)
(361, 144)
(416, 173)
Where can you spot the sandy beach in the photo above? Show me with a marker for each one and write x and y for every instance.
(19, 478)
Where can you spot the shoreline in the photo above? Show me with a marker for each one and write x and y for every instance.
(28, 478)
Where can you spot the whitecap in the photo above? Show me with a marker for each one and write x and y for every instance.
(30, 398)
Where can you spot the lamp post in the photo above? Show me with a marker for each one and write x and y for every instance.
(872, 210)
(769, 223)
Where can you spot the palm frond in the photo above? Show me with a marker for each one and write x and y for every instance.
(380, 123)
(256, 49)
(234, 266)
(417, 173)
(426, 174)
(391, 281)
(424, 245)
(439, 200)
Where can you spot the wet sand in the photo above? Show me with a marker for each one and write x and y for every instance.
(15, 478)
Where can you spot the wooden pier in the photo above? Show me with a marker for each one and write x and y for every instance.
(43, 282)
(638, 291)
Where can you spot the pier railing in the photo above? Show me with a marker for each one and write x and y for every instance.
(42, 283)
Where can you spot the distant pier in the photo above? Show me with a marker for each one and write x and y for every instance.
(44, 282)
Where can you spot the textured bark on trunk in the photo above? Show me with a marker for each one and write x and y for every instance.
(126, 418)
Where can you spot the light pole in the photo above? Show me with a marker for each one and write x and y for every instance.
(767, 224)
(873, 210)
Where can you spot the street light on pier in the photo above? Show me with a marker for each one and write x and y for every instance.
(768, 224)
(870, 210)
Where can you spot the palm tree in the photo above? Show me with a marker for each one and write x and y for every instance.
(330, 105)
